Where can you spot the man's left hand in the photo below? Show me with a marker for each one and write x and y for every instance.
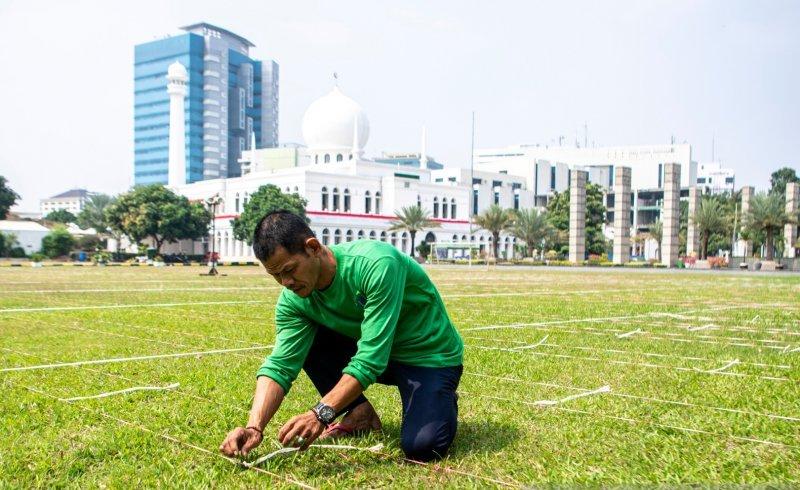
(304, 425)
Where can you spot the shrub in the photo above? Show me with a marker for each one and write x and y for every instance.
(37, 257)
(57, 243)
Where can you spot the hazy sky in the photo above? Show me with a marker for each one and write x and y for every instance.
(635, 72)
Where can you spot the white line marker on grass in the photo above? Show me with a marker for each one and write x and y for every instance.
(121, 392)
(126, 359)
(142, 305)
(549, 403)
(721, 368)
(701, 327)
(628, 334)
(533, 346)
(377, 448)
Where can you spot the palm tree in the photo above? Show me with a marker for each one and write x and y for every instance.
(768, 214)
(413, 219)
(656, 232)
(709, 219)
(532, 227)
(494, 220)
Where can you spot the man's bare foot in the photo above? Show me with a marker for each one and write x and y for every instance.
(358, 421)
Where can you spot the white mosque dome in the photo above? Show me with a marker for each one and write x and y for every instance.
(329, 122)
(177, 70)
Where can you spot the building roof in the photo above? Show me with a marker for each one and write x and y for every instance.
(191, 27)
(13, 226)
(83, 193)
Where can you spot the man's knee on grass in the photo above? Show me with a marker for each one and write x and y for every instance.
(430, 443)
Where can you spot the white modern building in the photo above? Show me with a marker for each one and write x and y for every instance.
(712, 178)
(352, 197)
(28, 234)
(72, 200)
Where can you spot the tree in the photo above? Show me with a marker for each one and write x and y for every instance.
(780, 178)
(7, 242)
(93, 213)
(558, 215)
(7, 197)
(656, 232)
(494, 220)
(60, 216)
(709, 218)
(57, 243)
(532, 227)
(266, 199)
(155, 212)
(413, 219)
(768, 215)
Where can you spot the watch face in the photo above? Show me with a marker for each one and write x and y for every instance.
(326, 413)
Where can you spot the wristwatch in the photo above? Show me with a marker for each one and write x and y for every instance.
(324, 413)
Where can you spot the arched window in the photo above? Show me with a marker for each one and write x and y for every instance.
(419, 201)
(348, 237)
(453, 208)
(404, 242)
(455, 238)
(516, 199)
(393, 239)
(444, 207)
(335, 198)
(383, 236)
(339, 157)
(327, 158)
(326, 236)
(463, 238)
(378, 202)
(244, 201)
(372, 235)
(237, 202)
(287, 189)
(347, 200)
(324, 198)
(337, 236)
(367, 202)
(360, 234)
(435, 207)
(316, 158)
(296, 190)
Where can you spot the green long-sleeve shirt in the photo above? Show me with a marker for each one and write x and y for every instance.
(380, 297)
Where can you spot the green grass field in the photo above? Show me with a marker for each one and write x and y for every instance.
(680, 410)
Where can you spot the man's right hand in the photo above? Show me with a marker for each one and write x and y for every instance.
(240, 441)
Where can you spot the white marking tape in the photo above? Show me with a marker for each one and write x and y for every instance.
(121, 392)
(254, 288)
(533, 346)
(373, 449)
(535, 293)
(549, 403)
(702, 327)
(141, 305)
(754, 319)
(127, 359)
(723, 368)
(629, 334)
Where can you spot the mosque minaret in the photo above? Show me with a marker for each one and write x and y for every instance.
(177, 79)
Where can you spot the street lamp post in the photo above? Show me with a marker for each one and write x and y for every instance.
(212, 203)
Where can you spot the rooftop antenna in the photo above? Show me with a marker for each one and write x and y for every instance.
(585, 135)
(423, 157)
(336, 79)
(471, 185)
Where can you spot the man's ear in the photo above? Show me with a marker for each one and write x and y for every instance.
(313, 247)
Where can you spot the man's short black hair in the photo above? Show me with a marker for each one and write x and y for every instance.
(280, 229)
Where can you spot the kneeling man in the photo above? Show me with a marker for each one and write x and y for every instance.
(351, 315)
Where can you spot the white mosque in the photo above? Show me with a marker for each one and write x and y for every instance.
(352, 197)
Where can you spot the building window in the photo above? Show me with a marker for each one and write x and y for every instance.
(435, 207)
(419, 201)
(324, 198)
(237, 202)
(661, 174)
(367, 202)
(496, 197)
(326, 236)
(378, 202)
(360, 234)
(553, 178)
(372, 235)
(339, 157)
(337, 236)
(335, 198)
(444, 207)
(348, 237)
(404, 242)
(347, 200)
(516, 201)
(393, 239)
(475, 201)
(316, 158)
(327, 158)
(453, 208)
(383, 236)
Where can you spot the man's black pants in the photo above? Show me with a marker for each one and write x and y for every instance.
(430, 402)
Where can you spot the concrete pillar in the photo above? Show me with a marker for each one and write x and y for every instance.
(622, 215)
(747, 195)
(671, 214)
(692, 235)
(790, 229)
(577, 216)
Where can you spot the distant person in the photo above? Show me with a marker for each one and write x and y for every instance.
(351, 315)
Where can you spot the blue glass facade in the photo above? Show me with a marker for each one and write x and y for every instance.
(223, 108)
(151, 107)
